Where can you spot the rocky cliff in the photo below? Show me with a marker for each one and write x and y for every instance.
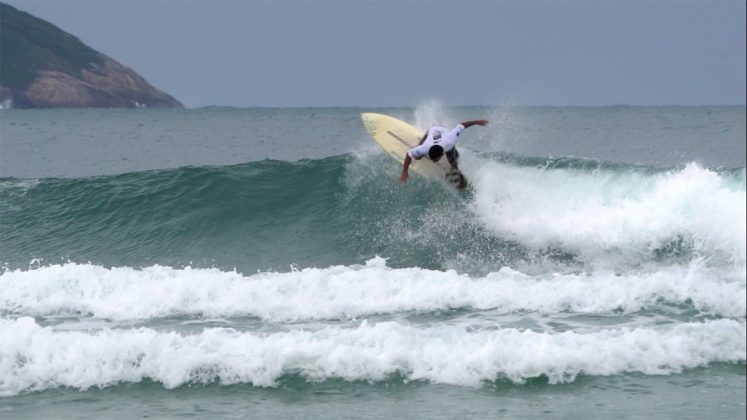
(42, 66)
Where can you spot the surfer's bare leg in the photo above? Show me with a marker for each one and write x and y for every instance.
(453, 157)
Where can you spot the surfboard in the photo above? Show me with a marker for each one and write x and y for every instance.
(396, 137)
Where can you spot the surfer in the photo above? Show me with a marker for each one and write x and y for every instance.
(436, 143)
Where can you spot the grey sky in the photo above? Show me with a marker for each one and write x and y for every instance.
(312, 53)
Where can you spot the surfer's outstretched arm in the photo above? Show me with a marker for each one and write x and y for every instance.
(468, 124)
(405, 168)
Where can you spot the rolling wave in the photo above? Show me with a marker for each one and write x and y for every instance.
(270, 215)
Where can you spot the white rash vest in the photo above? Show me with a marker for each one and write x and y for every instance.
(437, 136)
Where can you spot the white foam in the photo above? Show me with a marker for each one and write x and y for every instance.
(124, 293)
(35, 358)
(604, 214)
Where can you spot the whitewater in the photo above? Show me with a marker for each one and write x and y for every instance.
(221, 259)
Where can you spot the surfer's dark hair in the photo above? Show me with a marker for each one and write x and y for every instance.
(435, 152)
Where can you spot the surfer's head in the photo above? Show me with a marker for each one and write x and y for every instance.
(435, 153)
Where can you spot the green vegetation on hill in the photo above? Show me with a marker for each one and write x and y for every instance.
(29, 44)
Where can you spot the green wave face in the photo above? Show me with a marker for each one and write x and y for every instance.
(271, 215)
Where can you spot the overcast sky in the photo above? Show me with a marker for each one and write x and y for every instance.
(359, 53)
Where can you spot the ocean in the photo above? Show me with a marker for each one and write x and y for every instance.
(267, 263)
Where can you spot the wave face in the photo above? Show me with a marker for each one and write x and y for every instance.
(208, 215)
(273, 214)
(328, 269)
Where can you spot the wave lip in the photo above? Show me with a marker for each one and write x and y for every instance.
(341, 292)
(35, 358)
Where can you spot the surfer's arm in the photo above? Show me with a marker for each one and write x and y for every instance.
(449, 139)
(405, 168)
(414, 153)
(468, 124)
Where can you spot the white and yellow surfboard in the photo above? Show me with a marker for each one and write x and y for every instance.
(396, 137)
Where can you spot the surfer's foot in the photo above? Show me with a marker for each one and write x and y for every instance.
(462, 182)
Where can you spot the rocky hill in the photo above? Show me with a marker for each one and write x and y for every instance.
(42, 66)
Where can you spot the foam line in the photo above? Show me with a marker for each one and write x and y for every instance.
(124, 293)
(34, 358)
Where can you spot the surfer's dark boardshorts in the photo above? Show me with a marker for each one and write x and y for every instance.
(453, 157)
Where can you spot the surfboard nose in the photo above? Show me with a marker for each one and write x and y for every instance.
(369, 122)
